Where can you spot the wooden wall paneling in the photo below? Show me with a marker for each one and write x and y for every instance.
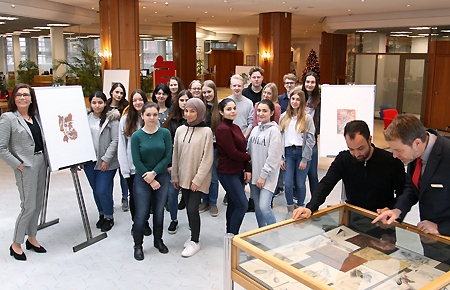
(429, 88)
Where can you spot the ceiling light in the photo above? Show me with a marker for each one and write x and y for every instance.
(31, 30)
(41, 27)
(8, 18)
(167, 3)
(420, 28)
(144, 7)
(401, 32)
(407, 5)
(398, 35)
(426, 34)
(2, 23)
(447, 30)
(366, 31)
(58, 24)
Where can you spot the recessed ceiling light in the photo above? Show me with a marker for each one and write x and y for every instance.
(231, 8)
(93, 8)
(366, 31)
(188, 7)
(8, 18)
(401, 32)
(407, 5)
(144, 7)
(349, 10)
(156, 11)
(41, 27)
(206, 12)
(225, 1)
(420, 28)
(445, 30)
(58, 24)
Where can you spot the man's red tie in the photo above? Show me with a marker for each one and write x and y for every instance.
(417, 172)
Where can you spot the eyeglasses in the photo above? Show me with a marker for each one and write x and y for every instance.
(25, 95)
(289, 83)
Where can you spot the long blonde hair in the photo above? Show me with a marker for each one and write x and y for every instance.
(301, 125)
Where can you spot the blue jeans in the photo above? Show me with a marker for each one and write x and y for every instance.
(101, 183)
(263, 211)
(293, 158)
(211, 198)
(173, 201)
(123, 186)
(237, 200)
(313, 177)
(143, 195)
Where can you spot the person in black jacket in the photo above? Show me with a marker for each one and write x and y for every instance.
(372, 177)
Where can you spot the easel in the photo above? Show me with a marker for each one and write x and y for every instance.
(42, 223)
(84, 216)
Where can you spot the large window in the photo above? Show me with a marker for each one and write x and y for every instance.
(24, 52)
(150, 49)
(44, 56)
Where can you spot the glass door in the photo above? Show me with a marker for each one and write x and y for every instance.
(412, 86)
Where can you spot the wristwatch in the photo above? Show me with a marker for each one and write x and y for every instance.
(154, 173)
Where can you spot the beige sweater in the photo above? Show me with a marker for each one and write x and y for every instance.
(193, 157)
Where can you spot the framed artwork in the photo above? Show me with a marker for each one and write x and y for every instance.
(340, 105)
(66, 130)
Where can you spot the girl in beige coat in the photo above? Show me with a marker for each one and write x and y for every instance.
(192, 161)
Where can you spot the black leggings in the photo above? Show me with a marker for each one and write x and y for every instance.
(192, 200)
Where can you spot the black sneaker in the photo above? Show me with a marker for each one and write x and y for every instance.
(100, 221)
(182, 204)
(173, 227)
(107, 224)
(225, 200)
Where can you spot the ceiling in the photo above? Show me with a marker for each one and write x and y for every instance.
(227, 17)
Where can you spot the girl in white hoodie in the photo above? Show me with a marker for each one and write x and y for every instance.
(265, 149)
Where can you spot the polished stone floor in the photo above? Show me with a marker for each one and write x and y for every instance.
(109, 264)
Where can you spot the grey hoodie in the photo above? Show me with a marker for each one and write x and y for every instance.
(265, 148)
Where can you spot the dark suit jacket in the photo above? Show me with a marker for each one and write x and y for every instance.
(434, 194)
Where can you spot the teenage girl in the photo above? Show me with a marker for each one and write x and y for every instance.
(298, 131)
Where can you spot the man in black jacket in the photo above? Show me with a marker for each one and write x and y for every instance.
(372, 177)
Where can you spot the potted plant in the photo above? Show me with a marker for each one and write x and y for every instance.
(26, 71)
(84, 70)
(199, 68)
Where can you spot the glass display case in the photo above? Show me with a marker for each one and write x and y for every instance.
(339, 248)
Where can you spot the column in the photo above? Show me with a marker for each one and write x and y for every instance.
(275, 40)
(119, 37)
(183, 46)
(332, 58)
(32, 45)
(58, 49)
(3, 67)
(16, 52)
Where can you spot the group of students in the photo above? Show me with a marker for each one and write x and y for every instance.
(185, 141)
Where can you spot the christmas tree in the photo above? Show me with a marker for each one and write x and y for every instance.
(312, 64)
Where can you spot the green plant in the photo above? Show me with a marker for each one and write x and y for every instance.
(86, 68)
(58, 80)
(10, 84)
(147, 83)
(199, 67)
(26, 71)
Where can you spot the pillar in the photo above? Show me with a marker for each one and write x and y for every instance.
(275, 39)
(32, 45)
(119, 37)
(3, 67)
(332, 58)
(184, 54)
(16, 52)
(58, 49)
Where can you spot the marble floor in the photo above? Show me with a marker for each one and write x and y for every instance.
(109, 264)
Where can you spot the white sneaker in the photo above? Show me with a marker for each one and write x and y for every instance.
(187, 242)
(191, 249)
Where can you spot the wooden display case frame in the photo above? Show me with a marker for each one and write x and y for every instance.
(239, 243)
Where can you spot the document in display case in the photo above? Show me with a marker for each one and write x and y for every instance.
(339, 248)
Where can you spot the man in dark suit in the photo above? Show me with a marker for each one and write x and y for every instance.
(428, 175)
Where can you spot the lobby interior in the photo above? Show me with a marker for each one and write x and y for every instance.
(109, 263)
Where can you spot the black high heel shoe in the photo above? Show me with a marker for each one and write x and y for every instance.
(39, 249)
(20, 257)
